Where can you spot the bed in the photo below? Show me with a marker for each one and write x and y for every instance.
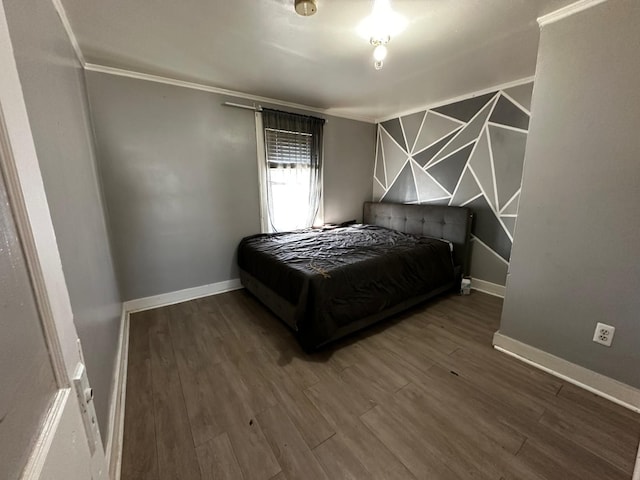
(328, 283)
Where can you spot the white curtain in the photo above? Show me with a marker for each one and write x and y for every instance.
(292, 169)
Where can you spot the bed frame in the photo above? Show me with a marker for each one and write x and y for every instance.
(436, 221)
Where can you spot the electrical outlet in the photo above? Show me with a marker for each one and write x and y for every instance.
(604, 334)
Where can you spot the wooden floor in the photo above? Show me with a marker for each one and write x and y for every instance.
(217, 388)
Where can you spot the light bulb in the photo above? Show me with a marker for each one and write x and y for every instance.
(380, 53)
(382, 23)
(378, 64)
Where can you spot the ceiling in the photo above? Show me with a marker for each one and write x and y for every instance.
(261, 47)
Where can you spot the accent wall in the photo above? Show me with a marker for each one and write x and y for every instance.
(463, 153)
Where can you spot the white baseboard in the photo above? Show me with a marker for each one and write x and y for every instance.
(118, 391)
(116, 408)
(180, 296)
(488, 287)
(613, 390)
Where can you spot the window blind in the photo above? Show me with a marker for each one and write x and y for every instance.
(284, 147)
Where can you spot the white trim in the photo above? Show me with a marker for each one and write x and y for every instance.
(449, 194)
(404, 135)
(466, 96)
(605, 387)
(445, 116)
(455, 130)
(62, 13)
(493, 168)
(509, 215)
(26, 193)
(424, 117)
(378, 182)
(440, 160)
(413, 174)
(470, 200)
(482, 189)
(171, 298)
(567, 11)
(510, 200)
(19, 209)
(636, 471)
(476, 239)
(221, 91)
(516, 103)
(394, 141)
(504, 227)
(508, 127)
(49, 426)
(377, 152)
(384, 159)
(466, 167)
(432, 200)
(433, 161)
(113, 449)
(396, 177)
(473, 151)
(488, 287)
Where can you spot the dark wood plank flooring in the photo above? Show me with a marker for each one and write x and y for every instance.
(217, 388)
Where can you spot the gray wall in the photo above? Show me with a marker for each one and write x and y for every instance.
(180, 178)
(465, 153)
(575, 255)
(348, 151)
(53, 85)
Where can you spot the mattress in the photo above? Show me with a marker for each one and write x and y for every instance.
(336, 277)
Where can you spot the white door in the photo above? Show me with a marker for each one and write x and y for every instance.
(47, 420)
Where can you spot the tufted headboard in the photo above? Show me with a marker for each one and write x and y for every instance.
(436, 221)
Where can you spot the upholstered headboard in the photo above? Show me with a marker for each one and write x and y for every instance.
(436, 221)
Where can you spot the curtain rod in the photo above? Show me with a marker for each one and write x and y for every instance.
(255, 108)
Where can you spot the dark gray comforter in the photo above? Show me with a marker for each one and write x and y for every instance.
(339, 276)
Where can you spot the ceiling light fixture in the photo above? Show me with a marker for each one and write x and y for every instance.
(306, 8)
(379, 27)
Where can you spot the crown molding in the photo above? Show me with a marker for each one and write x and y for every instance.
(62, 13)
(567, 11)
(222, 91)
(466, 96)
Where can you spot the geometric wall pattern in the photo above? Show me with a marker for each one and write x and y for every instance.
(467, 153)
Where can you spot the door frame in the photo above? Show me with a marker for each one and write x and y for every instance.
(28, 202)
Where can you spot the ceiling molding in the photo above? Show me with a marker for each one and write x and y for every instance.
(567, 11)
(466, 96)
(222, 91)
(62, 13)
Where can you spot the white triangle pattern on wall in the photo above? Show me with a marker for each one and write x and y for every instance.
(379, 169)
(434, 128)
(474, 178)
(428, 188)
(394, 157)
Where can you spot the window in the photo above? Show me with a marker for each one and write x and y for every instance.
(290, 170)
